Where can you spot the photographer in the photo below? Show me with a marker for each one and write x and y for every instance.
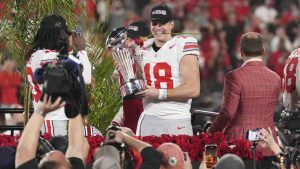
(51, 40)
(26, 150)
(152, 159)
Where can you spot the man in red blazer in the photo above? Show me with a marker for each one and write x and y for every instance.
(250, 93)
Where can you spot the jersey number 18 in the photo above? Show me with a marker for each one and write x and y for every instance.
(290, 75)
(166, 68)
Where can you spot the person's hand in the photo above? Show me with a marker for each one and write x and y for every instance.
(149, 92)
(47, 106)
(203, 162)
(267, 140)
(116, 65)
(187, 161)
(117, 136)
(127, 130)
(78, 41)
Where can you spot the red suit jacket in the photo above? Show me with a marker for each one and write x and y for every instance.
(249, 98)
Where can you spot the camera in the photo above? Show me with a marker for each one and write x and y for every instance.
(114, 128)
(289, 121)
(64, 78)
(253, 135)
(43, 148)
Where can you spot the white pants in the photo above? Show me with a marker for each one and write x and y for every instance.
(152, 125)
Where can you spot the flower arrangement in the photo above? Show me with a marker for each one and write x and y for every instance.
(194, 145)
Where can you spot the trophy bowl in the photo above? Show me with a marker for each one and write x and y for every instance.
(123, 58)
(131, 87)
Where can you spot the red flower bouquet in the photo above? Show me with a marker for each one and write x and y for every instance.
(194, 145)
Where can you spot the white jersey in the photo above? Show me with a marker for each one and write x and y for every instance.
(39, 58)
(291, 81)
(161, 70)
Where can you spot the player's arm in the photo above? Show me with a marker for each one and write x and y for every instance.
(139, 71)
(189, 71)
(87, 68)
(79, 45)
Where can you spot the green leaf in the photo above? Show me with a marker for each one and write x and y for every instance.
(19, 27)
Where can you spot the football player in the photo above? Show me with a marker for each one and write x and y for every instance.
(171, 71)
(130, 111)
(291, 88)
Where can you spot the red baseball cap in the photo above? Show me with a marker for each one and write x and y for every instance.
(172, 156)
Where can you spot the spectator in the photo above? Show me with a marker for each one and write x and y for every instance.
(152, 159)
(266, 13)
(173, 157)
(267, 140)
(280, 37)
(26, 150)
(225, 162)
(9, 89)
(117, 15)
(108, 157)
(278, 58)
(167, 155)
(232, 30)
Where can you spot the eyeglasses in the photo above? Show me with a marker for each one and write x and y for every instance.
(153, 23)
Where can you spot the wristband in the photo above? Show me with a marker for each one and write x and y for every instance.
(163, 94)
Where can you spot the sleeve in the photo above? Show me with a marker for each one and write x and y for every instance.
(229, 105)
(32, 164)
(42, 57)
(76, 163)
(151, 158)
(188, 46)
(87, 68)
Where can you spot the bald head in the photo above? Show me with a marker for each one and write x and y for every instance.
(55, 159)
(252, 44)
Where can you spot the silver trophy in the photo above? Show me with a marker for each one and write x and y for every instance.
(122, 56)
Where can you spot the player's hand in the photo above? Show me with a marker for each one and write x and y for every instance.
(150, 92)
(117, 65)
(78, 41)
(47, 106)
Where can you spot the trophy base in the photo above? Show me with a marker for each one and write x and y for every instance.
(131, 87)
